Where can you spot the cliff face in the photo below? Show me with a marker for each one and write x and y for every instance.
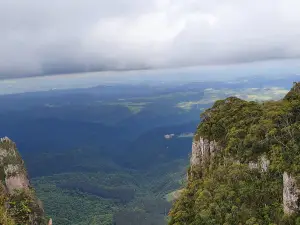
(291, 193)
(18, 200)
(14, 174)
(245, 164)
(203, 151)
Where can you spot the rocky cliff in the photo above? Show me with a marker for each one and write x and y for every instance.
(203, 150)
(14, 174)
(245, 165)
(291, 193)
(18, 203)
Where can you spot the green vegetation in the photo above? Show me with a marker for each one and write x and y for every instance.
(24, 208)
(18, 203)
(224, 190)
(104, 197)
(5, 218)
(99, 155)
(110, 180)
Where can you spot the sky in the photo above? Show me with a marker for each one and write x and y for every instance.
(41, 37)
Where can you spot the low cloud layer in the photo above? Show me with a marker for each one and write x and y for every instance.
(48, 37)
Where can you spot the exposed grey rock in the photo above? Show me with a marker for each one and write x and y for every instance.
(253, 165)
(262, 164)
(3, 154)
(12, 166)
(202, 151)
(5, 139)
(18, 182)
(11, 169)
(290, 194)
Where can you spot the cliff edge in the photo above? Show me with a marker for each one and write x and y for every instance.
(245, 164)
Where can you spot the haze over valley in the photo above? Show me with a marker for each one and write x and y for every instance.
(116, 151)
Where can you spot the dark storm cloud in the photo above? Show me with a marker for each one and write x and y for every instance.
(42, 37)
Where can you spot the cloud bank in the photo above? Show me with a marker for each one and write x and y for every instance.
(45, 37)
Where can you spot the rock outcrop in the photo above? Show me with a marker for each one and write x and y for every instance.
(16, 190)
(202, 151)
(12, 167)
(291, 194)
(262, 164)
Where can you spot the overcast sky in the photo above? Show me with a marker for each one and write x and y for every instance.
(57, 36)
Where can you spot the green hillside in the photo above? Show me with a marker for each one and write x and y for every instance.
(252, 176)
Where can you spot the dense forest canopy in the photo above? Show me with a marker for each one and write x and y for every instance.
(226, 189)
